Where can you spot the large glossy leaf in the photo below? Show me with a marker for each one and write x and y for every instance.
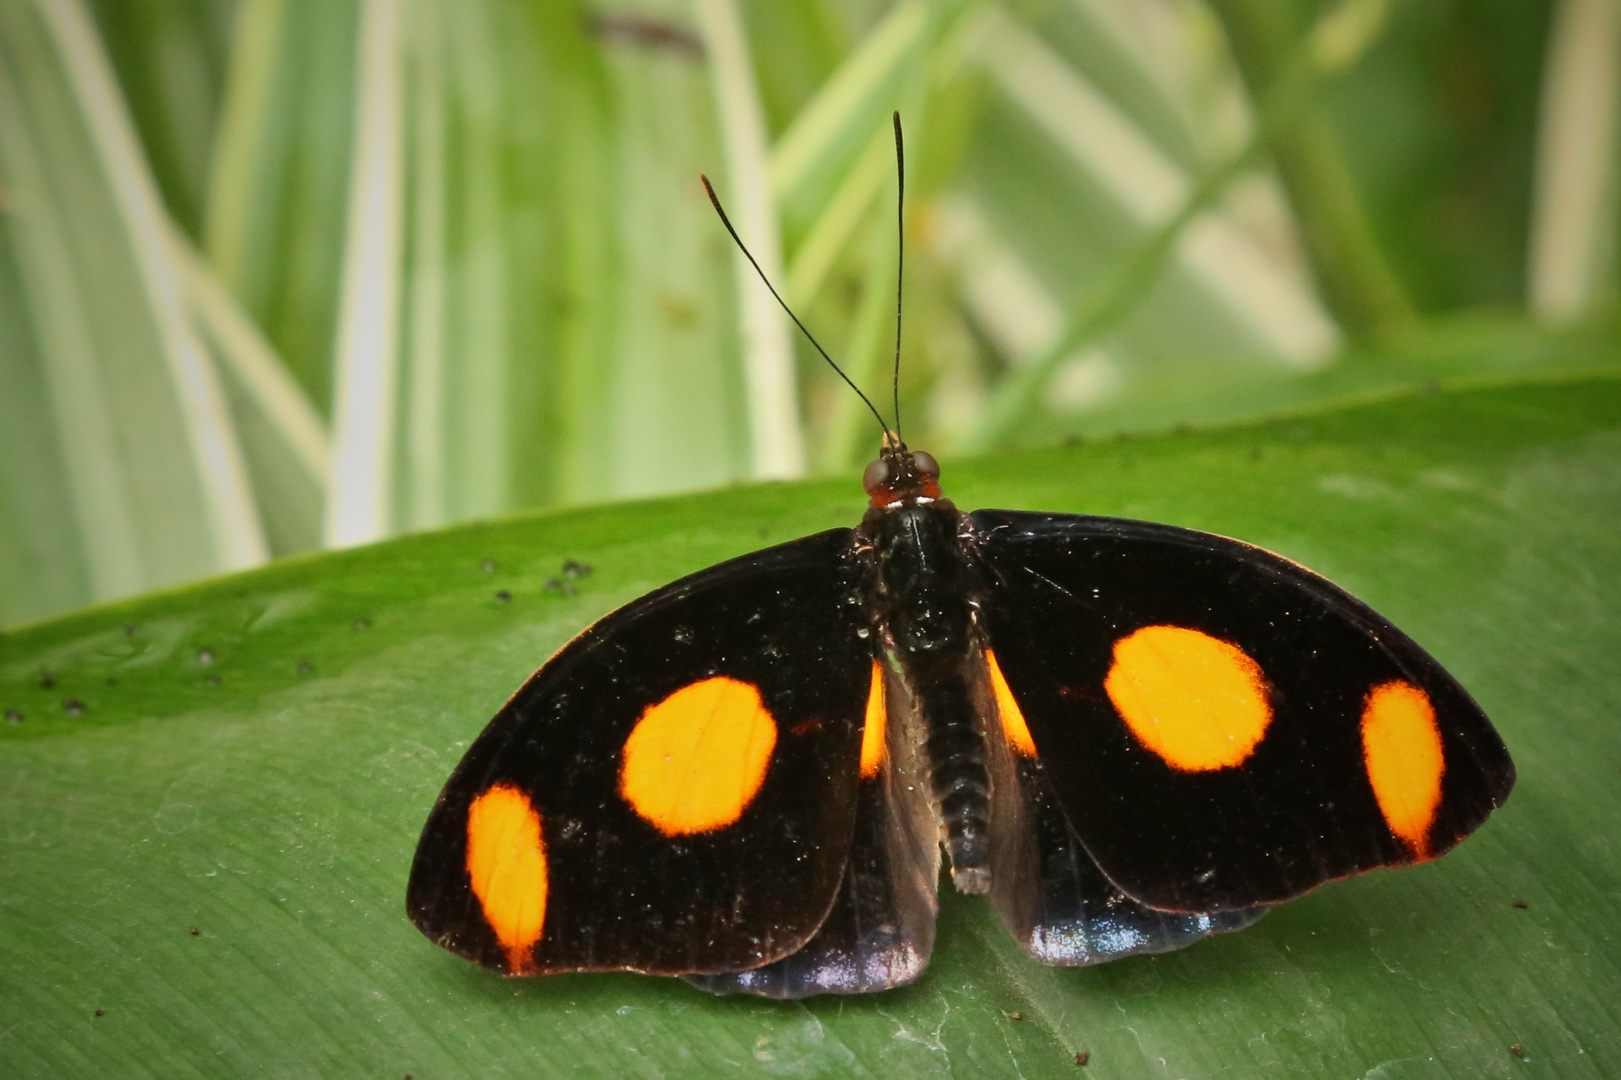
(253, 757)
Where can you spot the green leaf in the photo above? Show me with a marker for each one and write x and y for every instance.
(275, 808)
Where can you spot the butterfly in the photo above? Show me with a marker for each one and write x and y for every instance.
(1129, 736)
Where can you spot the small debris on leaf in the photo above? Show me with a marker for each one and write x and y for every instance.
(488, 566)
(73, 707)
(46, 679)
(1083, 1057)
(575, 569)
(13, 716)
(503, 597)
(205, 656)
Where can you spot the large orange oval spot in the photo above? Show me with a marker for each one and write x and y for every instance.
(1013, 725)
(1196, 701)
(697, 758)
(506, 860)
(872, 732)
(1401, 746)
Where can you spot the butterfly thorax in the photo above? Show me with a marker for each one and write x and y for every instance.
(922, 582)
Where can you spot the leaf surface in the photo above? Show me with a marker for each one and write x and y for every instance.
(255, 756)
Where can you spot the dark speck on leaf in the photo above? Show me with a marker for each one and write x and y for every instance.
(1517, 1050)
(362, 624)
(13, 716)
(46, 679)
(1015, 1015)
(1083, 1057)
(101, 1012)
(305, 667)
(1522, 904)
(557, 585)
(488, 566)
(205, 656)
(73, 707)
(193, 931)
(575, 569)
(503, 597)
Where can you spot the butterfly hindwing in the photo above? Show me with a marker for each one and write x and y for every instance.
(880, 931)
(1052, 897)
(1222, 728)
(668, 793)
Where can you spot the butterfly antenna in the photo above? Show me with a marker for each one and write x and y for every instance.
(900, 267)
(715, 201)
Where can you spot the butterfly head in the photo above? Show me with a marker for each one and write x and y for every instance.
(900, 476)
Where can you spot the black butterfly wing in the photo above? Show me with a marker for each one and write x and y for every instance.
(880, 931)
(1051, 896)
(1221, 727)
(670, 793)
(1059, 906)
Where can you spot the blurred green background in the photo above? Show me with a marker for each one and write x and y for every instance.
(284, 274)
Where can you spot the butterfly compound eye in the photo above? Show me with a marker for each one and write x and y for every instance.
(877, 475)
(924, 463)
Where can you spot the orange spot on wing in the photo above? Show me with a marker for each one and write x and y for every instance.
(1401, 746)
(1198, 702)
(872, 732)
(1013, 725)
(696, 759)
(506, 860)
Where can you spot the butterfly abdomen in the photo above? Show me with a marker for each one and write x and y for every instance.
(959, 776)
(924, 617)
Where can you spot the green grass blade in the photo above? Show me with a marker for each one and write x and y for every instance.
(170, 57)
(216, 458)
(360, 486)
(776, 448)
(247, 113)
(810, 157)
(275, 806)
(140, 454)
(275, 219)
(1273, 304)
(283, 438)
(1573, 227)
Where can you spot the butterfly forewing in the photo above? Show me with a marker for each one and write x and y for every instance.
(1222, 728)
(668, 793)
